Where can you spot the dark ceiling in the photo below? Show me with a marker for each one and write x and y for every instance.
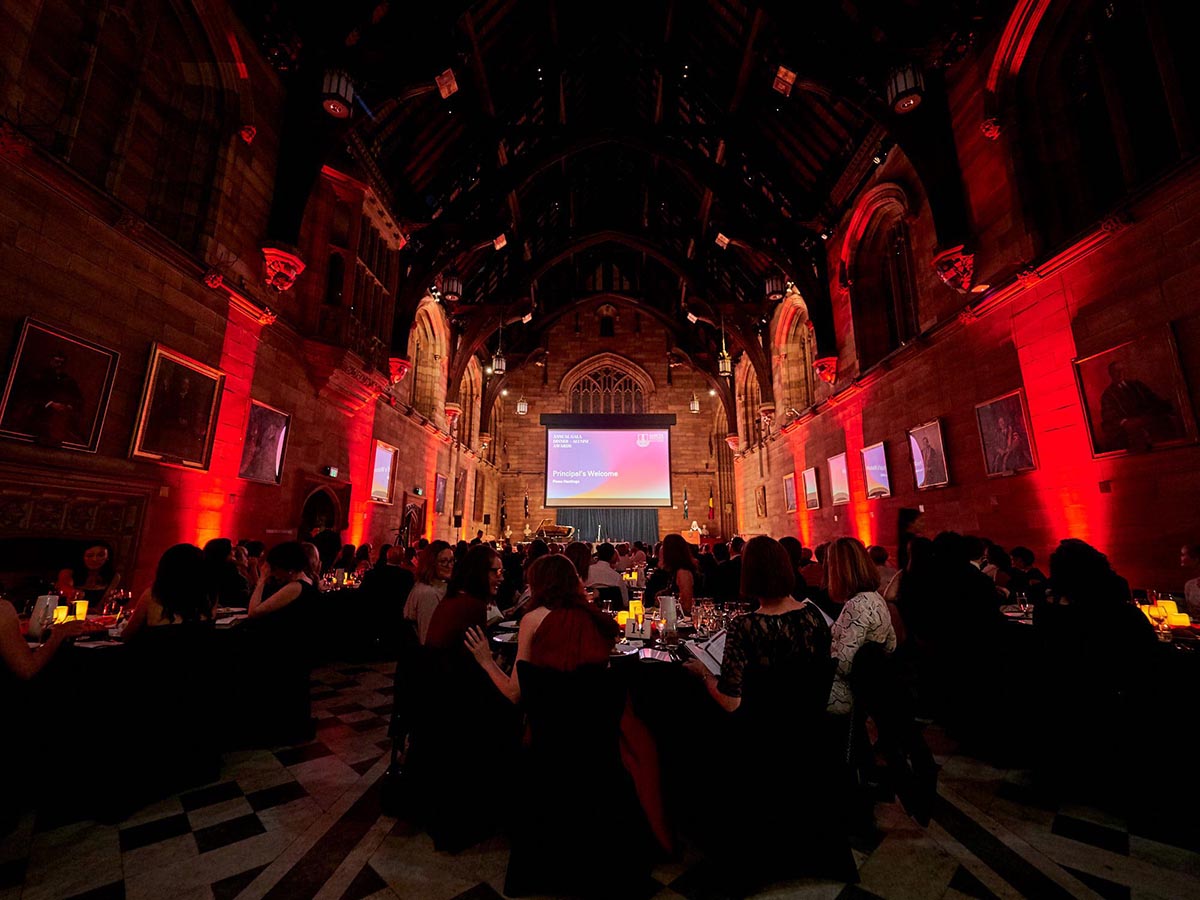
(611, 142)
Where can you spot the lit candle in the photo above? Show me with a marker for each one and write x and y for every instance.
(81, 607)
(622, 618)
(60, 614)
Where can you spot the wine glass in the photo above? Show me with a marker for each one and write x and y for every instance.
(1022, 601)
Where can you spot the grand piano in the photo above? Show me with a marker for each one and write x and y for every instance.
(549, 531)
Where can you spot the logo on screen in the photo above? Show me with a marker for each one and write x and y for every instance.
(643, 441)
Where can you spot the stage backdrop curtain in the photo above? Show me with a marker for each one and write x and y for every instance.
(619, 524)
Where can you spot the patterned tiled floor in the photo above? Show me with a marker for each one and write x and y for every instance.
(304, 822)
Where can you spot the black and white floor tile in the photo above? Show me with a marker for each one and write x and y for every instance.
(304, 822)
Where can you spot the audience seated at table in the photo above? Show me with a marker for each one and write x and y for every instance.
(779, 818)
(461, 724)
(1096, 655)
(93, 577)
(180, 594)
(345, 560)
(435, 566)
(603, 574)
(287, 564)
(1025, 577)
(389, 582)
(1189, 559)
(19, 658)
(864, 616)
(563, 630)
(225, 585)
(580, 555)
(795, 552)
(312, 553)
(682, 579)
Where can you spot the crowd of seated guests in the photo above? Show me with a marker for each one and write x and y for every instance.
(826, 629)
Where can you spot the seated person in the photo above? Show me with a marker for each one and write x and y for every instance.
(775, 676)
(563, 630)
(864, 616)
(226, 585)
(603, 572)
(179, 595)
(288, 564)
(468, 597)
(435, 565)
(93, 578)
(21, 659)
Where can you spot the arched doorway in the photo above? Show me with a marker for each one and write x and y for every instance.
(320, 523)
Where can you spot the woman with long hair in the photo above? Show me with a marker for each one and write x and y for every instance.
(288, 565)
(435, 565)
(179, 595)
(680, 568)
(563, 631)
(775, 676)
(864, 616)
(93, 577)
(345, 560)
(470, 592)
(580, 555)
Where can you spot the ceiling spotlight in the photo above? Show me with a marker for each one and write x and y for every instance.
(503, 392)
(712, 392)
(826, 234)
(487, 370)
(880, 155)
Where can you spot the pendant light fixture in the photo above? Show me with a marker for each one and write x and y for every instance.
(694, 404)
(499, 363)
(724, 360)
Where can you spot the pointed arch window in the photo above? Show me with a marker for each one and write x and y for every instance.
(607, 389)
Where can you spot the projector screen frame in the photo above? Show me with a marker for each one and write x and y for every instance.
(607, 422)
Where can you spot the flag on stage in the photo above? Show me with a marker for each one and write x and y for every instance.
(711, 509)
(685, 504)
(527, 506)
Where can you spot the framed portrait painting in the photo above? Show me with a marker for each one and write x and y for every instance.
(789, 492)
(1134, 397)
(812, 499)
(928, 455)
(839, 479)
(1004, 435)
(178, 414)
(264, 444)
(439, 494)
(58, 388)
(875, 471)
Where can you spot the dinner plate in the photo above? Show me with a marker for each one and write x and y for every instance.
(509, 637)
(511, 624)
(624, 650)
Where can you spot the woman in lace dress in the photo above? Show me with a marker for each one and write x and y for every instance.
(864, 618)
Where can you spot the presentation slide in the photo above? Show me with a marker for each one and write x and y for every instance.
(608, 467)
(875, 466)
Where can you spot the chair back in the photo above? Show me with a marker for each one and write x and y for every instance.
(609, 593)
(572, 715)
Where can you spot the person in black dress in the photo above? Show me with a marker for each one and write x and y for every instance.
(775, 678)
